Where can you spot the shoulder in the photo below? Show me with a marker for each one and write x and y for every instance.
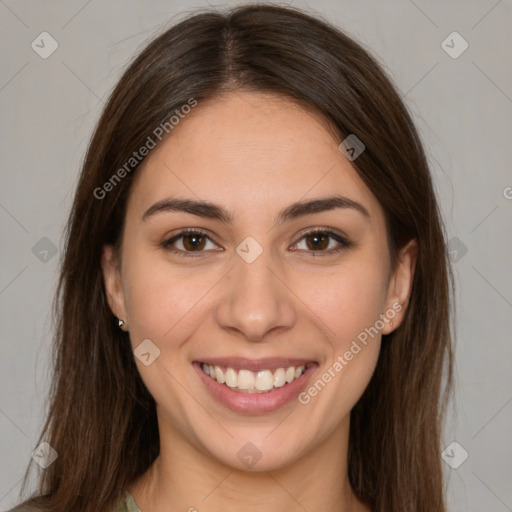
(125, 504)
(22, 508)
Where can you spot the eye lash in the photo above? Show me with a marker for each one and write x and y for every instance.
(167, 244)
(343, 242)
(185, 232)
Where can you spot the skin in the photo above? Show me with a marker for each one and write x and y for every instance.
(252, 154)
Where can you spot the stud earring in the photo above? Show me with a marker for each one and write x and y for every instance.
(122, 325)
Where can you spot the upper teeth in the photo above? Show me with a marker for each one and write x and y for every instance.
(248, 381)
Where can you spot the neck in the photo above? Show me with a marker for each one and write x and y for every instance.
(186, 478)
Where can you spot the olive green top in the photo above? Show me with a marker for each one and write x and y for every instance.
(127, 504)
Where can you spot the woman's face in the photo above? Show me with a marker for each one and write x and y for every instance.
(297, 315)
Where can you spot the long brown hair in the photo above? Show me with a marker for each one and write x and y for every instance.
(101, 418)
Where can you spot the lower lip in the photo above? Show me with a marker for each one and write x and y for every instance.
(255, 403)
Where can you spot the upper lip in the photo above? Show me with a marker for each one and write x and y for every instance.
(270, 363)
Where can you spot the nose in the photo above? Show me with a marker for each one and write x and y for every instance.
(255, 299)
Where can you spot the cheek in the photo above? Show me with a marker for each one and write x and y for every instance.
(159, 297)
(348, 301)
(163, 305)
(349, 306)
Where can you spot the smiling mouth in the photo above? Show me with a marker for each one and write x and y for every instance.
(261, 381)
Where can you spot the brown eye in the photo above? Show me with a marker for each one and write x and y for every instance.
(317, 241)
(191, 241)
(323, 241)
(194, 241)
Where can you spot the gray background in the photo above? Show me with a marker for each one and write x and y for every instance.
(462, 107)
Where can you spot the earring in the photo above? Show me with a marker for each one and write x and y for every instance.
(121, 325)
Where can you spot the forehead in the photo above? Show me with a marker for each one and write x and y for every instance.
(249, 151)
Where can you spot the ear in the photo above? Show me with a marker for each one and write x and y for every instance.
(400, 285)
(112, 282)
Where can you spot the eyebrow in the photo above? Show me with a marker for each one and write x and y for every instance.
(209, 210)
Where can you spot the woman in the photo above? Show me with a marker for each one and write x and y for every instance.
(254, 304)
